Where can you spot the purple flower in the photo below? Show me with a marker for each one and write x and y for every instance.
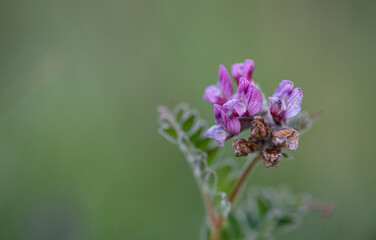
(286, 101)
(222, 92)
(243, 70)
(218, 111)
(228, 125)
(247, 100)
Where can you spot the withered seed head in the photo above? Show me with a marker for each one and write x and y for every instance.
(259, 128)
(288, 138)
(243, 147)
(271, 157)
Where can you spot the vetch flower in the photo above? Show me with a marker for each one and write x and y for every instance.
(222, 92)
(228, 126)
(218, 111)
(243, 70)
(247, 100)
(286, 101)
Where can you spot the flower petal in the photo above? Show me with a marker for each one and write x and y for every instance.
(237, 70)
(284, 89)
(224, 82)
(253, 100)
(218, 133)
(249, 66)
(243, 88)
(294, 103)
(218, 109)
(237, 106)
(213, 94)
(231, 124)
(277, 107)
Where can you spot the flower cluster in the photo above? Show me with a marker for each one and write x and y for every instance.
(234, 113)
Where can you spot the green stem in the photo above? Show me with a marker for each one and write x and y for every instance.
(243, 176)
(216, 222)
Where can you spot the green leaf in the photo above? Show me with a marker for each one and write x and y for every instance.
(225, 174)
(197, 133)
(188, 123)
(212, 153)
(180, 111)
(169, 133)
(203, 143)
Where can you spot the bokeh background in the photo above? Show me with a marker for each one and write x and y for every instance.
(80, 157)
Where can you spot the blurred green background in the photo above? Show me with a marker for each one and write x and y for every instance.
(80, 157)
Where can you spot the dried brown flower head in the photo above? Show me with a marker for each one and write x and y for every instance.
(259, 128)
(286, 138)
(243, 147)
(271, 157)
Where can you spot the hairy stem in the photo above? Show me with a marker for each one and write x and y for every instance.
(216, 229)
(216, 222)
(247, 169)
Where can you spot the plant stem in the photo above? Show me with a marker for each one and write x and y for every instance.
(247, 169)
(216, 222)
(216, 229)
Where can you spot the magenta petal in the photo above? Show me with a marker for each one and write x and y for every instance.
(294, 103)
(249, 66)
(213, 94)
(277, 107)
(284, 89)
(218, 109)
(247, 100)
(237, 106)
(237, 71)
(243, 88)
(218, 133)
(253, 100)
(243, 70)
(286, 101)
(224, 82)
(231, 124)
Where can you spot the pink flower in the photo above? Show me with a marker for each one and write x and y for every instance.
(228, 125)
(247, 100)
(222, 92)
(286, 101)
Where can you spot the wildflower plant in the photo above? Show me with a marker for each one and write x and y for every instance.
(272, 128)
